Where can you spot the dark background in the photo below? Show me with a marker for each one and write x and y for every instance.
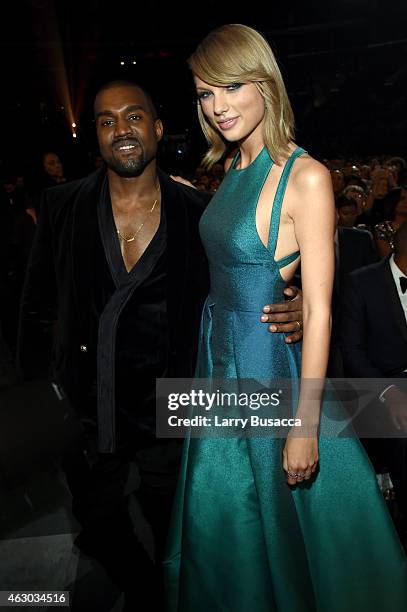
(344, 63)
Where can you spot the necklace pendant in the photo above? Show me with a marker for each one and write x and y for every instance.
(121, 237)
(132, 238)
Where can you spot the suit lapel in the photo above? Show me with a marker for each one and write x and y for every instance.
(397, 308)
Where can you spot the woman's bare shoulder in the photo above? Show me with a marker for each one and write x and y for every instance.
(310, 188)
(307, 172)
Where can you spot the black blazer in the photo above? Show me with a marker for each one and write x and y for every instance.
(356, 249)
(59, 274)
(374, 329)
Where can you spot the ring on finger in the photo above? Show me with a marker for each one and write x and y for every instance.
(299, 325)
(295, 474)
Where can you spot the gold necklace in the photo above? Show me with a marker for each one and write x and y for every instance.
(132, 238)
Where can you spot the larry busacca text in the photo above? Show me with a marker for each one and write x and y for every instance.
(232, 422)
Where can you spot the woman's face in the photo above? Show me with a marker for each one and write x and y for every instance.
(52, 165)
(236, 111)
(359, 198)
(338, 181)
(382, 187)
(347, 216)
(365, 172)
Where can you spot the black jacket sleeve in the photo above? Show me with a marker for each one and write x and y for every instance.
(369, 252)
(354, 332)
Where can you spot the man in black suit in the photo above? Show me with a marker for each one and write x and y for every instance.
(118, 259)
(353, 249)
(374, 342)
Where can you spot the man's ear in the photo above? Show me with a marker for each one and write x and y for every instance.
(159, 129)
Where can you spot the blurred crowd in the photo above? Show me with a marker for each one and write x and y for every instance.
(371, 196)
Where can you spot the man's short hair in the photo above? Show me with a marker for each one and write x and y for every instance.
(344, 200)
(356, 188)
(354, 180)
(400, 240)
(127, 83)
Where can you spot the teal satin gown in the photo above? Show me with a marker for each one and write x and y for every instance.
(242, 540)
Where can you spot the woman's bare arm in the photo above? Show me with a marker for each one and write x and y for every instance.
(313, 214)
(314, 225)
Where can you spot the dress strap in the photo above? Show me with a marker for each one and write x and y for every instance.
(235, 158)
(284, 261)
(278, 202)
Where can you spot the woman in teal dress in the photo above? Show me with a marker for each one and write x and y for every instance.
(268, 524)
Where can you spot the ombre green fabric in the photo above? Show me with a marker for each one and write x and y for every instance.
(242, 540)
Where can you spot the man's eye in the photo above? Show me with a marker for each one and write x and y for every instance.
(107, 122)
(135, 117)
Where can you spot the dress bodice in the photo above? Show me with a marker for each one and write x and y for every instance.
(244, 272)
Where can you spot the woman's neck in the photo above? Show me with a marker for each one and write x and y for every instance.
(248, 153)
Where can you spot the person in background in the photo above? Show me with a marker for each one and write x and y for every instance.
(374, 339)
(49, 174)
(53, 170)
(347, 211)
(400, 165)
(395, 215)
(354, 248)
(338, 182)
(365, 173)
(376, 197)
(358, 193)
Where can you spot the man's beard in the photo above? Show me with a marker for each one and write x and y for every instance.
(128, 167)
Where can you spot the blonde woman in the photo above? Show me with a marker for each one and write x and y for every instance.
(259, 525)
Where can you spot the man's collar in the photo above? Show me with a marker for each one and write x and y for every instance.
(397, 272)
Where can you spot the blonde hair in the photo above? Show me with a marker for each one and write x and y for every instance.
(235, 53)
